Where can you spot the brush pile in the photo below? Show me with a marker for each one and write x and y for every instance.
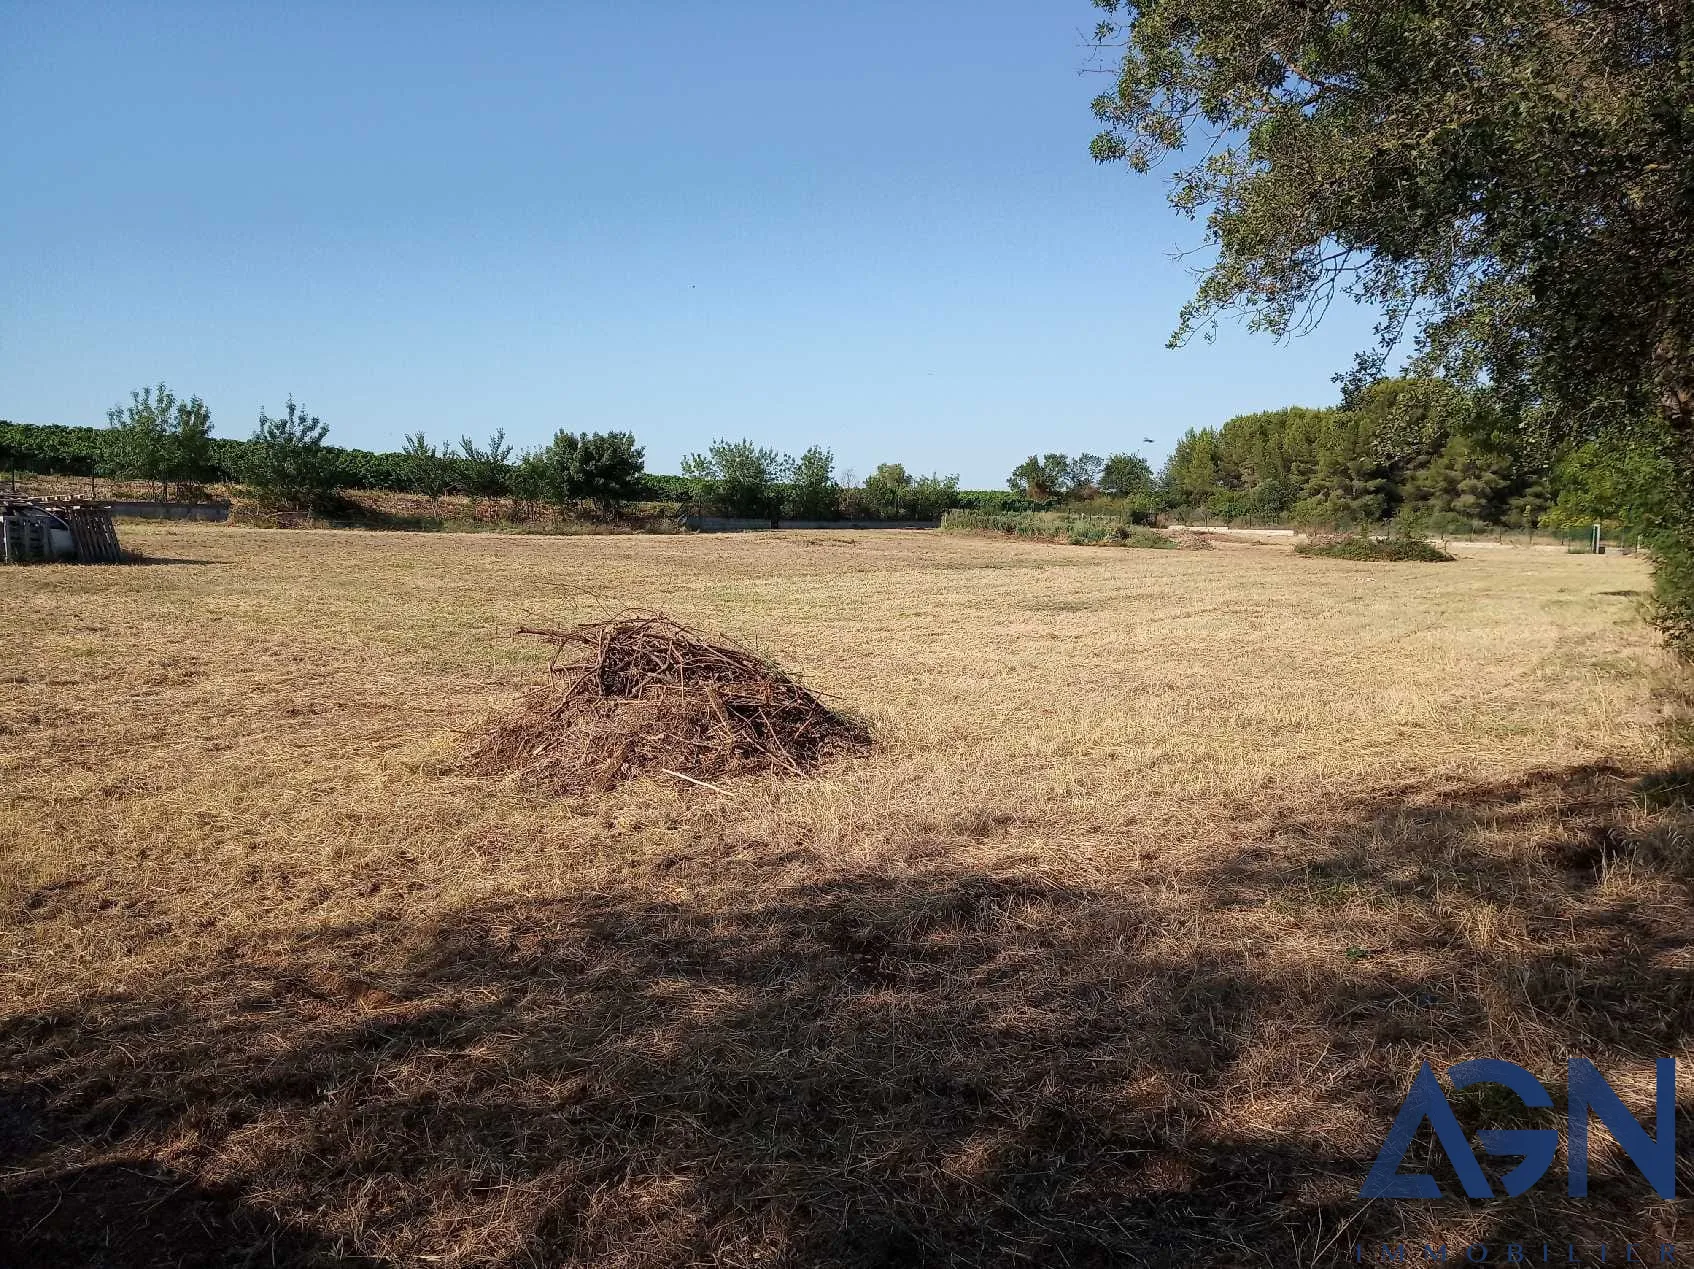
(642, 694)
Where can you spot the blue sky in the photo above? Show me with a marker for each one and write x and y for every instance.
(873, 227)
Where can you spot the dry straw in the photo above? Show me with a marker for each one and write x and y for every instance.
(1121, 946)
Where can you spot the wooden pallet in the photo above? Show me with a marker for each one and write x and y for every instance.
(92, 531)
(26, 532)
(25, 538)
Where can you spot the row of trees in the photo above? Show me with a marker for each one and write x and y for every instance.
(162, 439)
(1058, 477)
(740, 478)
(159, 438)
(606, 470)
(1423, 452)
(603, 469)
(1419, 451)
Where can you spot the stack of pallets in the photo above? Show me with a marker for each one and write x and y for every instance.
(92, 531)
(36, 532)
(24, 534)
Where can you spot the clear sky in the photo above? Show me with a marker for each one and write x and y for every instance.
(872, 226)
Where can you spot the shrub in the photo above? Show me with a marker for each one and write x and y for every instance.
(424, 470)
(1360, 547)
(655, 488)
(286, 459)
(993, 500)
(737, 478)
(52, 450)
(1051, 526)
(1135, 509)
(1089, 531)
(1138, 535)
(1044, 526)
(158, 438)
(487, 470)
(605, 468)
(813, 493)
(1672, 609)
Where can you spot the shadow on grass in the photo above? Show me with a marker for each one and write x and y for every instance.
(126, 558)
(135, 1214)
(948, 1067)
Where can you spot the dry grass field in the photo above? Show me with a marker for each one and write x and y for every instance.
(1120, 947)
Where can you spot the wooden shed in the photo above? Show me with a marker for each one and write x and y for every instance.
(66, 532)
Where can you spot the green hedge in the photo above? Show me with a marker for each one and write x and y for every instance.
(997, 501)
(1391, 550)
(1054, 526)
(52, 451)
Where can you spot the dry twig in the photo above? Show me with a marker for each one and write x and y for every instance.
(644, 693)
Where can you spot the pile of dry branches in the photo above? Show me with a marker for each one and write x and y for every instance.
(642, 693)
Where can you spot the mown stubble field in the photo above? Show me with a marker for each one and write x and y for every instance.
(1123, 945)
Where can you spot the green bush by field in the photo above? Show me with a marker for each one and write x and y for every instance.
(1394, 550)
(1054, 526)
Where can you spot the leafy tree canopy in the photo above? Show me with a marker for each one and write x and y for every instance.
(1126, 475)
(1421, 449)
(486, 468)
(886, 488)
(813, 490)
(1510, 181)
(286, 458)
(604, 468)
(158, 437)
(427, 471)
(930, 495)
(739, 478)
(1622, 481)
(894, 492)
(1057, 476)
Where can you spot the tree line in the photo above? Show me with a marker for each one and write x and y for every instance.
(1423, 454)
(1061, 478)
(159, 438)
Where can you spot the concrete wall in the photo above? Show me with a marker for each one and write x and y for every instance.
(218, 511)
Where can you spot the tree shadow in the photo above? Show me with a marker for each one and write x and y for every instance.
(946, 1067)
(133, 1213)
